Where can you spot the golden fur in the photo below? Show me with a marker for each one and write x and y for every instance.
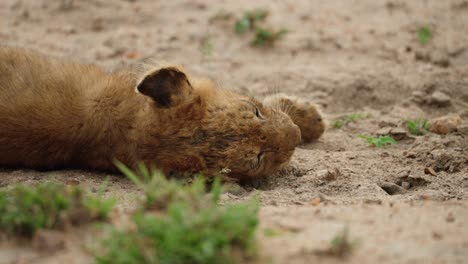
(62, 115)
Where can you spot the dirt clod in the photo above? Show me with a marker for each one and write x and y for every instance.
(446, 124)
(328, 175)
(440, 99)
(406, 185)
(431, 171)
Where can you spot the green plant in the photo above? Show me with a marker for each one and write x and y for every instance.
(343, 121)
(417, 126)
(263, 36)
(249, 20)
(182, 224)
(98, 207)
(269, 232)
(206, 46)
(341, 245)
(379, 141)
(26, 209)
(424, 34)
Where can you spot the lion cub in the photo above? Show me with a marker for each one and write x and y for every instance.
(62, 115)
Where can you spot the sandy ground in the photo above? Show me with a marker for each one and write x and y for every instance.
(347, 56)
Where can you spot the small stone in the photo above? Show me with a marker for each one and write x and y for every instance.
(398, 133)
(440, 99)
(406, 185)
(410, 155)
(328, 175)
(404, 173)
(384, 131)
(391, 188)
(430, 170)
(446, 124)
(418, 97)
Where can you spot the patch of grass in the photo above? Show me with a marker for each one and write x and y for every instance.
(206, 46)
(267, 37)
(341, 245)
(424, 34)
(26, 209)
(379, 141)
(249, 20)
(182, 224)
(250, 23)
(269, 232)
(221, 15)
(343, 121)
(418, 126)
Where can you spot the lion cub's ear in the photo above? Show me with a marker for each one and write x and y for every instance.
(168, 87)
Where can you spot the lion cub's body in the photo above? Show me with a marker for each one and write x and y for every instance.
(55, 115)
(62, 115)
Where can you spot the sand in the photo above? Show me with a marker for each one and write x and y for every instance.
(346, 56)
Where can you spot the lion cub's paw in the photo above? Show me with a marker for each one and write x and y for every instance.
(304, 114)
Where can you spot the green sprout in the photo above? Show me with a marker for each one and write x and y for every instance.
(424, 34)
(343, 121)
(249, 20)
(264, 37)
(380, 141)
(206, 46)
(418, 126)
(341, 245)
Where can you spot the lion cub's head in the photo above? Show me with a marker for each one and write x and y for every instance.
(190, 125)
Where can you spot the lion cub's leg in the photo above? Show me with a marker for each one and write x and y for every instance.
(303, 114)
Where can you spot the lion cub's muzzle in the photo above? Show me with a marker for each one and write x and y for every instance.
(286, 142)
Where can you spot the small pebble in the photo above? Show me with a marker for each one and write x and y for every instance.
(406, 185)
(440, 99)
(391, 188)
(430, 170)
(328, 175)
